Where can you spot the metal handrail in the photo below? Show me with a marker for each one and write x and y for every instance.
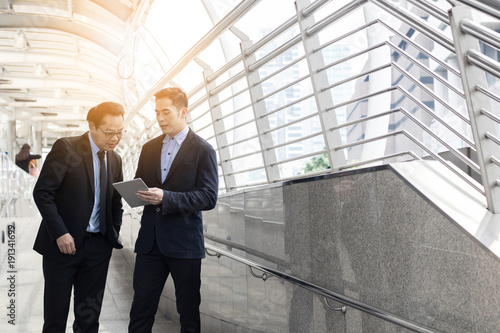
(313, 7)
(411, 97)
(378, 159)
(227, 84)
(428, 91)
(401, 52)
(490, 115)
(488, 93)
(346, 300)
(286, 86)
(416, 121)
(417, 24)
(241, 9)
(484, 62)
(273, 54)
(337, 15)
(290, 142)
(427, 7)
(480, 32)
(402, 14)
(438, 158)
(273, 34)
(493, 138)
(490, 7)
(260, 167)
(295, 121)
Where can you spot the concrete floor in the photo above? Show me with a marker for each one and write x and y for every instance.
(28, 287)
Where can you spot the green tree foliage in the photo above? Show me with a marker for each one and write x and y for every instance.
(317, 163)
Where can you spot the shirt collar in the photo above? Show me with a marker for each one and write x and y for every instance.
(94, 147)
(179, 137)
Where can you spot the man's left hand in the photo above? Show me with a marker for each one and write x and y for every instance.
(153, 196)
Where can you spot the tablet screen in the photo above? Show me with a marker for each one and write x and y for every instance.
(127, 190)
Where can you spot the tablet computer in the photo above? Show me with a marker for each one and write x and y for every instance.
(127, 190)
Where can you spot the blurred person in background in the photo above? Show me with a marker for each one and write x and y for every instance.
(24, 157)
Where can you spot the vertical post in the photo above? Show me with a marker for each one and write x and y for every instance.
(319, 79)
(381, 102)
(473, 76)
(11, 134)
(259, 109)
(219, 129)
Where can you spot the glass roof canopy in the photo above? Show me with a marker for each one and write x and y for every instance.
(60, 58)
(280, 88)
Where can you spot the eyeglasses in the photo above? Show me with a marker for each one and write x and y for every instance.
(109, 134)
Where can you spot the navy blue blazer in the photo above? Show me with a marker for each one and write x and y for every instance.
(190, 187)
(64, 195)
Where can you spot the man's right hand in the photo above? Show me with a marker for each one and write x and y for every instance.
(66, 244)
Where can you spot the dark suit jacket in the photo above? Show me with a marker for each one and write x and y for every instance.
(64, 195)
(190, 187)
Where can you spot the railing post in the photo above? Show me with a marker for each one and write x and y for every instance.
(220, 135)
(319, 79)
(259, 109)
(472, 77)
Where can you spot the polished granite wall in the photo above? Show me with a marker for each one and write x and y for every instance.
(366, 234)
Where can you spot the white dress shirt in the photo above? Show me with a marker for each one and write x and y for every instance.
(171, 146)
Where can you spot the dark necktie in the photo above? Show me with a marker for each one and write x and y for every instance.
(102, 199)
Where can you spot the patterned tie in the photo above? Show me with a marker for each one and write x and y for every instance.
(102, 201)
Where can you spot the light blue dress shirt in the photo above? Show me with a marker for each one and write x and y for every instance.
(94, 218)
(171, 146)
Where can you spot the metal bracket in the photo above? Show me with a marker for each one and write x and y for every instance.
(216, 254)
(342, 308)
(264, 276)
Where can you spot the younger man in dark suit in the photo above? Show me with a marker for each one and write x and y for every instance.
(180, 168)
(81, 219)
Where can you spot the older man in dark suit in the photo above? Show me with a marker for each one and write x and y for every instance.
(180, 168)
(81, 219)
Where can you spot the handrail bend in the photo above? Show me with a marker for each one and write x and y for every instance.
(345, 300)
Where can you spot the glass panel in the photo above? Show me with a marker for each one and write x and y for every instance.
(265, 17)
(206, 133)
(250, 177)
(246, 147)
(238, 118)
(221, 51)
(166, 24)
(288, 95)
(201, 122)
(247, 162)
(279, 41)
(146, 69)
(299, 167)
(194, 114)
(241, 133)
(190, 77)
(299, 148)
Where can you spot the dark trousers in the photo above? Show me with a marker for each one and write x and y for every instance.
(150, 274)
(86, 271)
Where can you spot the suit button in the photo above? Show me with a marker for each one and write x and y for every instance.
(158, 209)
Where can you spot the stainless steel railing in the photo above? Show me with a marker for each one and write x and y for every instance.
(478, 71)
(421, 51)
(327, 294)
(268, 272)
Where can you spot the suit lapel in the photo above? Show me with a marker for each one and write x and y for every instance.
(86, 153)
(157, 156)
(181, 154)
